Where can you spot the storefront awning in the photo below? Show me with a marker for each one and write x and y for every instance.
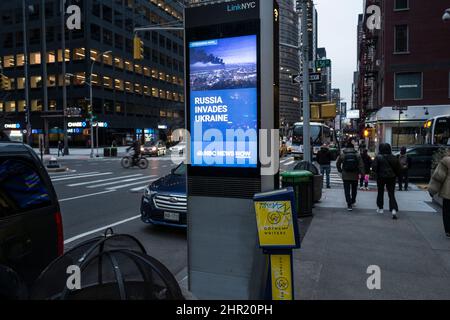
(413, 114)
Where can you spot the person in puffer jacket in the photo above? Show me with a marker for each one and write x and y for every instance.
(440, 185)
(386, 168)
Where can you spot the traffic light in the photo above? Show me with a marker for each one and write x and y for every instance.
(138, 48)
(366, 133)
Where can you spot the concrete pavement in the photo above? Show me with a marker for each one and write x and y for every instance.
(412, 252)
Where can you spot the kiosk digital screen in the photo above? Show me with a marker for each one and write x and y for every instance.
(224, 102)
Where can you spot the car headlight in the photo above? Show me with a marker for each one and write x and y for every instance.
(142, 149)
(154, 148)
(148, 193)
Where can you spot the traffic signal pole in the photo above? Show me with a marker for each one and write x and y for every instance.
(25, 55)
(306, 101)
(64, 88)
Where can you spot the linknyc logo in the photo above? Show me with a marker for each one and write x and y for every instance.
(241, 6)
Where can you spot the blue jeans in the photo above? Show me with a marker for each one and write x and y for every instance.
(325, 171)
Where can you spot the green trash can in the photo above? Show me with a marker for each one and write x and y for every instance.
(302, 183)
(106, 152)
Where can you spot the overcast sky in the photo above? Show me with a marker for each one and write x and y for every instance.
(337, 23)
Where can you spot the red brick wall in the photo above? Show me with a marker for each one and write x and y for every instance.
(429, 47)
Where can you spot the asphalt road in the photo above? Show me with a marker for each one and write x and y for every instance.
(95, 194)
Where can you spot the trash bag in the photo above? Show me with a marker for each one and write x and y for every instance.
(109, 267)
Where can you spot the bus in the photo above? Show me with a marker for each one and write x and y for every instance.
(320, 135)
(437, 130)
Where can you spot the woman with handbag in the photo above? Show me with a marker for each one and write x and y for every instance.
(386, 168)
(440, 185)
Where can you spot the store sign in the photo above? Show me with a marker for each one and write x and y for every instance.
(77, 124)
(74, 19)
(12, 126)
(100, 124)
(353, 114)
(224, 102)
(162, 127)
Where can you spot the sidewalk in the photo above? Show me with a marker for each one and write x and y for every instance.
(80, 153)
(412, 252)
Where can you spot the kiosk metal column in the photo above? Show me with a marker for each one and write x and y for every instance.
(232, 68)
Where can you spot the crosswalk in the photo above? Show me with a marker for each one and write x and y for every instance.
(104, 181)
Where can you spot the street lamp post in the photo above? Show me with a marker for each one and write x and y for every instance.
(91, 102)
(25, 64)
(63, 66)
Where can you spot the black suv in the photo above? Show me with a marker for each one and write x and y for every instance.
(30, 220)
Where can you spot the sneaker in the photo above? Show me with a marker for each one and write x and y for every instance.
(394, 214)
(367, 189)
(349, 208)
(361, 188)
(380, 211)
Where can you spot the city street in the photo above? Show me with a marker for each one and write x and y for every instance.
(97, 193)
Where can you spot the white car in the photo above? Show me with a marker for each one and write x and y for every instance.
(179, 148)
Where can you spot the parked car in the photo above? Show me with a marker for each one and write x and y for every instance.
(154, 149)
(421, 160)
(179, 148)
(31, 232)
(165, 201)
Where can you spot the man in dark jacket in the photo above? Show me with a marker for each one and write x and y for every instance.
(405, 165)
(386, 168)
(324, 158)
(351, 166)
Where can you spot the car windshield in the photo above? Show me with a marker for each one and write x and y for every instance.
(180, 170)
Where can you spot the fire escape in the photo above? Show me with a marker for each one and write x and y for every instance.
(366, 93)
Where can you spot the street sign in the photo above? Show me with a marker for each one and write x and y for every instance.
(322, 64)
(313, 77)
(400, 108)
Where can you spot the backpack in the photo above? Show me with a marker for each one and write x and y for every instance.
(403, 162)
(351, 162)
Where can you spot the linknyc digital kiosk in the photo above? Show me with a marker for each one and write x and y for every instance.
(232, 68)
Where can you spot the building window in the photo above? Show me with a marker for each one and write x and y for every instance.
(66, 55)
(118, 84)
(147, 91)
(21, 106)
(8, 61)
(36, 82)
(10, 106)
(147, 72)
(51, 58)
(128, 86)
(119, 107)
(79, 54)
(108, 59)
(401, 38)
(79, 79)
(1, 107)
(138, 68)
(94, 79)
(20, 60)
(137, 88)
(128, 66)
(107, 82)
(401, 5)
(162, 94)
(94, 54)
(52, 105)
(21, 83)
(155, 92)
(51, 80)
(408, 86)
(36, 105)
(35, 58)
(118, 63)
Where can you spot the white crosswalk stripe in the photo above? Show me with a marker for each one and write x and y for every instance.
(62, 175)
(129, 185)
(121, 181)
(103, 180)
(82, 176)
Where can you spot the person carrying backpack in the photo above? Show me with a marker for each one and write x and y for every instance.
(350, 165)
(405, 165)
(324, 158)
(386, 168)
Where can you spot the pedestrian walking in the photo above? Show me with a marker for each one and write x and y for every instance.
(364, 178)
(440, 185)
(324, 158)
(405, 165)
(386, 168)
(60, 148)
(350, 165)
